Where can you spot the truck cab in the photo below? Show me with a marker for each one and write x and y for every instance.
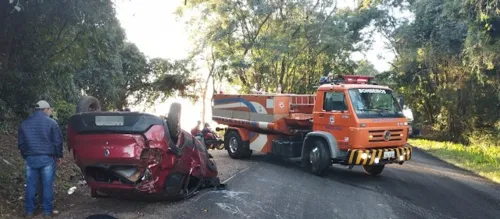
(365, 120)
(360, 116)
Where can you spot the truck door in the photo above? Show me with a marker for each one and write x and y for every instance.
(335, 117)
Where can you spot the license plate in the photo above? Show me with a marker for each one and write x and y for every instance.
(109, 120)
(388, 154)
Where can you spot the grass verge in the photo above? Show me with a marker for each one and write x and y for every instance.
(480, 159)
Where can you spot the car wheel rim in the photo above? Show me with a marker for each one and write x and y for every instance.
(314, 156)
(233, 145)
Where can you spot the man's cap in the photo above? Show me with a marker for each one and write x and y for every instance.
(42, 104)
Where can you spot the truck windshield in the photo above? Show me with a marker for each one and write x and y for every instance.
(375, 103)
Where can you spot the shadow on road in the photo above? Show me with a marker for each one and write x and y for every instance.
(424, 184)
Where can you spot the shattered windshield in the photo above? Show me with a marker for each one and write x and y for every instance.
(375, 103)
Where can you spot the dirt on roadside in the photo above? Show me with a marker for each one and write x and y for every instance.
(13, 180)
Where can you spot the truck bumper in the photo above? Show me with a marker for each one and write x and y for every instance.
(376, 156)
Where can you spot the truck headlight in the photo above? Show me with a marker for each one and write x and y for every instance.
(364, 156)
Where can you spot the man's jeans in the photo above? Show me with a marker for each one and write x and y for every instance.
(36, 166)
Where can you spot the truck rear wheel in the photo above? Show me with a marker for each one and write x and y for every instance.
(318, 158)
(234, 146)
(373, 170)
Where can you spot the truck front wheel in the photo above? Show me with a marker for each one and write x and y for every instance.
(234, 146)
(373, 170)
(318, 158)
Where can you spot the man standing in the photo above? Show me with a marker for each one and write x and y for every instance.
(40, 143)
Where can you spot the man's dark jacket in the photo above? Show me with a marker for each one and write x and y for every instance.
(40, 135)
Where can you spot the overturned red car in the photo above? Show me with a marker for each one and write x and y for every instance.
(138, 153)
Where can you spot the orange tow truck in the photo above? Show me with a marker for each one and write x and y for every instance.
(349, 121)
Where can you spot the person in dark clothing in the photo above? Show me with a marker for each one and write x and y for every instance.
(40, 144)
(206, 129)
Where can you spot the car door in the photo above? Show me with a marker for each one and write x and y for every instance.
(335, 117)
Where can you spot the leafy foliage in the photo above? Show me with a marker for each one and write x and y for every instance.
(64, 111)
(365, 67)
(171, 76)
(288, 44)
(59, 50)
(448, 66)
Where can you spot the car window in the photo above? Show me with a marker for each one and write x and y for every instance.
(334, 101)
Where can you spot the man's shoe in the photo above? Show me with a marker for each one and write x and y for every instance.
(29, 215)
(54, 213)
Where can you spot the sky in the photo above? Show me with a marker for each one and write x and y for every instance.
(158, 32)
(153, 27)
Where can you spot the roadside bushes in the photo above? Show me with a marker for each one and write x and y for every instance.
(7, 117)
(63, 111)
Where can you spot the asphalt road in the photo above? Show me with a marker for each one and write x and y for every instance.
(261, 188)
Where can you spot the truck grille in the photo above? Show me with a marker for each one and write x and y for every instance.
(380, 135)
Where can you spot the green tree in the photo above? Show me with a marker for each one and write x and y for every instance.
(59, 50)
(365, 67)
(447, 66)
(135, 68)
(287, 44)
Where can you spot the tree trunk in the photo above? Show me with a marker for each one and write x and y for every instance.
(283, 71)
(204, 94)
(203, 109)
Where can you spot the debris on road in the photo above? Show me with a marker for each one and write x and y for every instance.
(71, 190)
(6, 162)
(221, 187)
